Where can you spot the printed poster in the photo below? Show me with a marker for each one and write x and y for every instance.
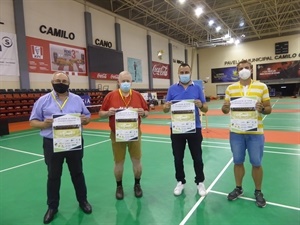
(47, 57)
(243, 115)
(66, 132)
(135, 68)
(9, 62)
(183, 117)
(126, 121)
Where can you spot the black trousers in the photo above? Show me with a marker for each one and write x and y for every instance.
(194, 141)
(54, 162)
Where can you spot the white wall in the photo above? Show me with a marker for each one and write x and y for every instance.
(103, 26)
(178, 54)
(134, 45)
(160, 43)
(67, 15)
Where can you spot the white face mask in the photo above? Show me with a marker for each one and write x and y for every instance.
(244, 74)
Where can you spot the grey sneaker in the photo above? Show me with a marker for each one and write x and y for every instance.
(259, 199)
(235, 194)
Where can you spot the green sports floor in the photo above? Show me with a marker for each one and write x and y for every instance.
(23, 178)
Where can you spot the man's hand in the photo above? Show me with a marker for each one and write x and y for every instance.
(167, 107)
(84, 120)
(226, 107)
(198, 103)
(47, 123)
(259, 107)
(111, 111)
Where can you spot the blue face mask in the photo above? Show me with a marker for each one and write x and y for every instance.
(184, 78)
(125, 86)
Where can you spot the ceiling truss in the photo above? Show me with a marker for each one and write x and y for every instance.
(262, 18)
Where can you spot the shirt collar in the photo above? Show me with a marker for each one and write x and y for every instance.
(178, 83)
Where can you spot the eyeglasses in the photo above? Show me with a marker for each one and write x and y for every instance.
(57, 81)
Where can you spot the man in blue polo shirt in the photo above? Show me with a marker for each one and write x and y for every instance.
(185, 89)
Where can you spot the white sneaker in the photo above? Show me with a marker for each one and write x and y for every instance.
(201, 189)
(179, 188)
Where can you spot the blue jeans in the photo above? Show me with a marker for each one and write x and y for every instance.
(254, 143)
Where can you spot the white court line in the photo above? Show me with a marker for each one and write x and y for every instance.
(15, 167)
(25, 164)
(252, 199)
(97, 143)
(20, 135)
(164, 140)
(208, 190)
(24, 152)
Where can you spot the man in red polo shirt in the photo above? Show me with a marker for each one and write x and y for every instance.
(125, 98)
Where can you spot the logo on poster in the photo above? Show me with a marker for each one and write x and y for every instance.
(7, 42)
(37, 52)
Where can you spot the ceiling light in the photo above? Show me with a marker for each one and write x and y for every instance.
(211, 22)
(218, 28)
(181, 1)
(237, 41)
(242, 23)
(198, 11)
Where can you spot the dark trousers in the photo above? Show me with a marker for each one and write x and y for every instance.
(54, 162)
(194, 141)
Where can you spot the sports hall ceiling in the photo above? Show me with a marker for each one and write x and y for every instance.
(262, 18)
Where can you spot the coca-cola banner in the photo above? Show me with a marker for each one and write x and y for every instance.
(104, 76)
(160, 70)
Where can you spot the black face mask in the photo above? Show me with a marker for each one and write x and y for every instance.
(60, 87)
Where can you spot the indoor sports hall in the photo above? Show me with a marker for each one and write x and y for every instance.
(23, 176)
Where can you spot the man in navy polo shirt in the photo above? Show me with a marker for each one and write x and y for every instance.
(185, 89)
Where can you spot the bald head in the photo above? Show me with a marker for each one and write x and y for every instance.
(125, 76)
(60, 77)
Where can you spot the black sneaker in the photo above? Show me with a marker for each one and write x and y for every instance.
(235, 194)
(259, 199)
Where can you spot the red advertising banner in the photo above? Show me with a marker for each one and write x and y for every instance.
(278, 70)
(104, 76)
(47, 57)
(160, 70)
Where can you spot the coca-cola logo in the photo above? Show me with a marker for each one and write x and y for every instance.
(160, 70)
(114, 76)
(102, 75)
